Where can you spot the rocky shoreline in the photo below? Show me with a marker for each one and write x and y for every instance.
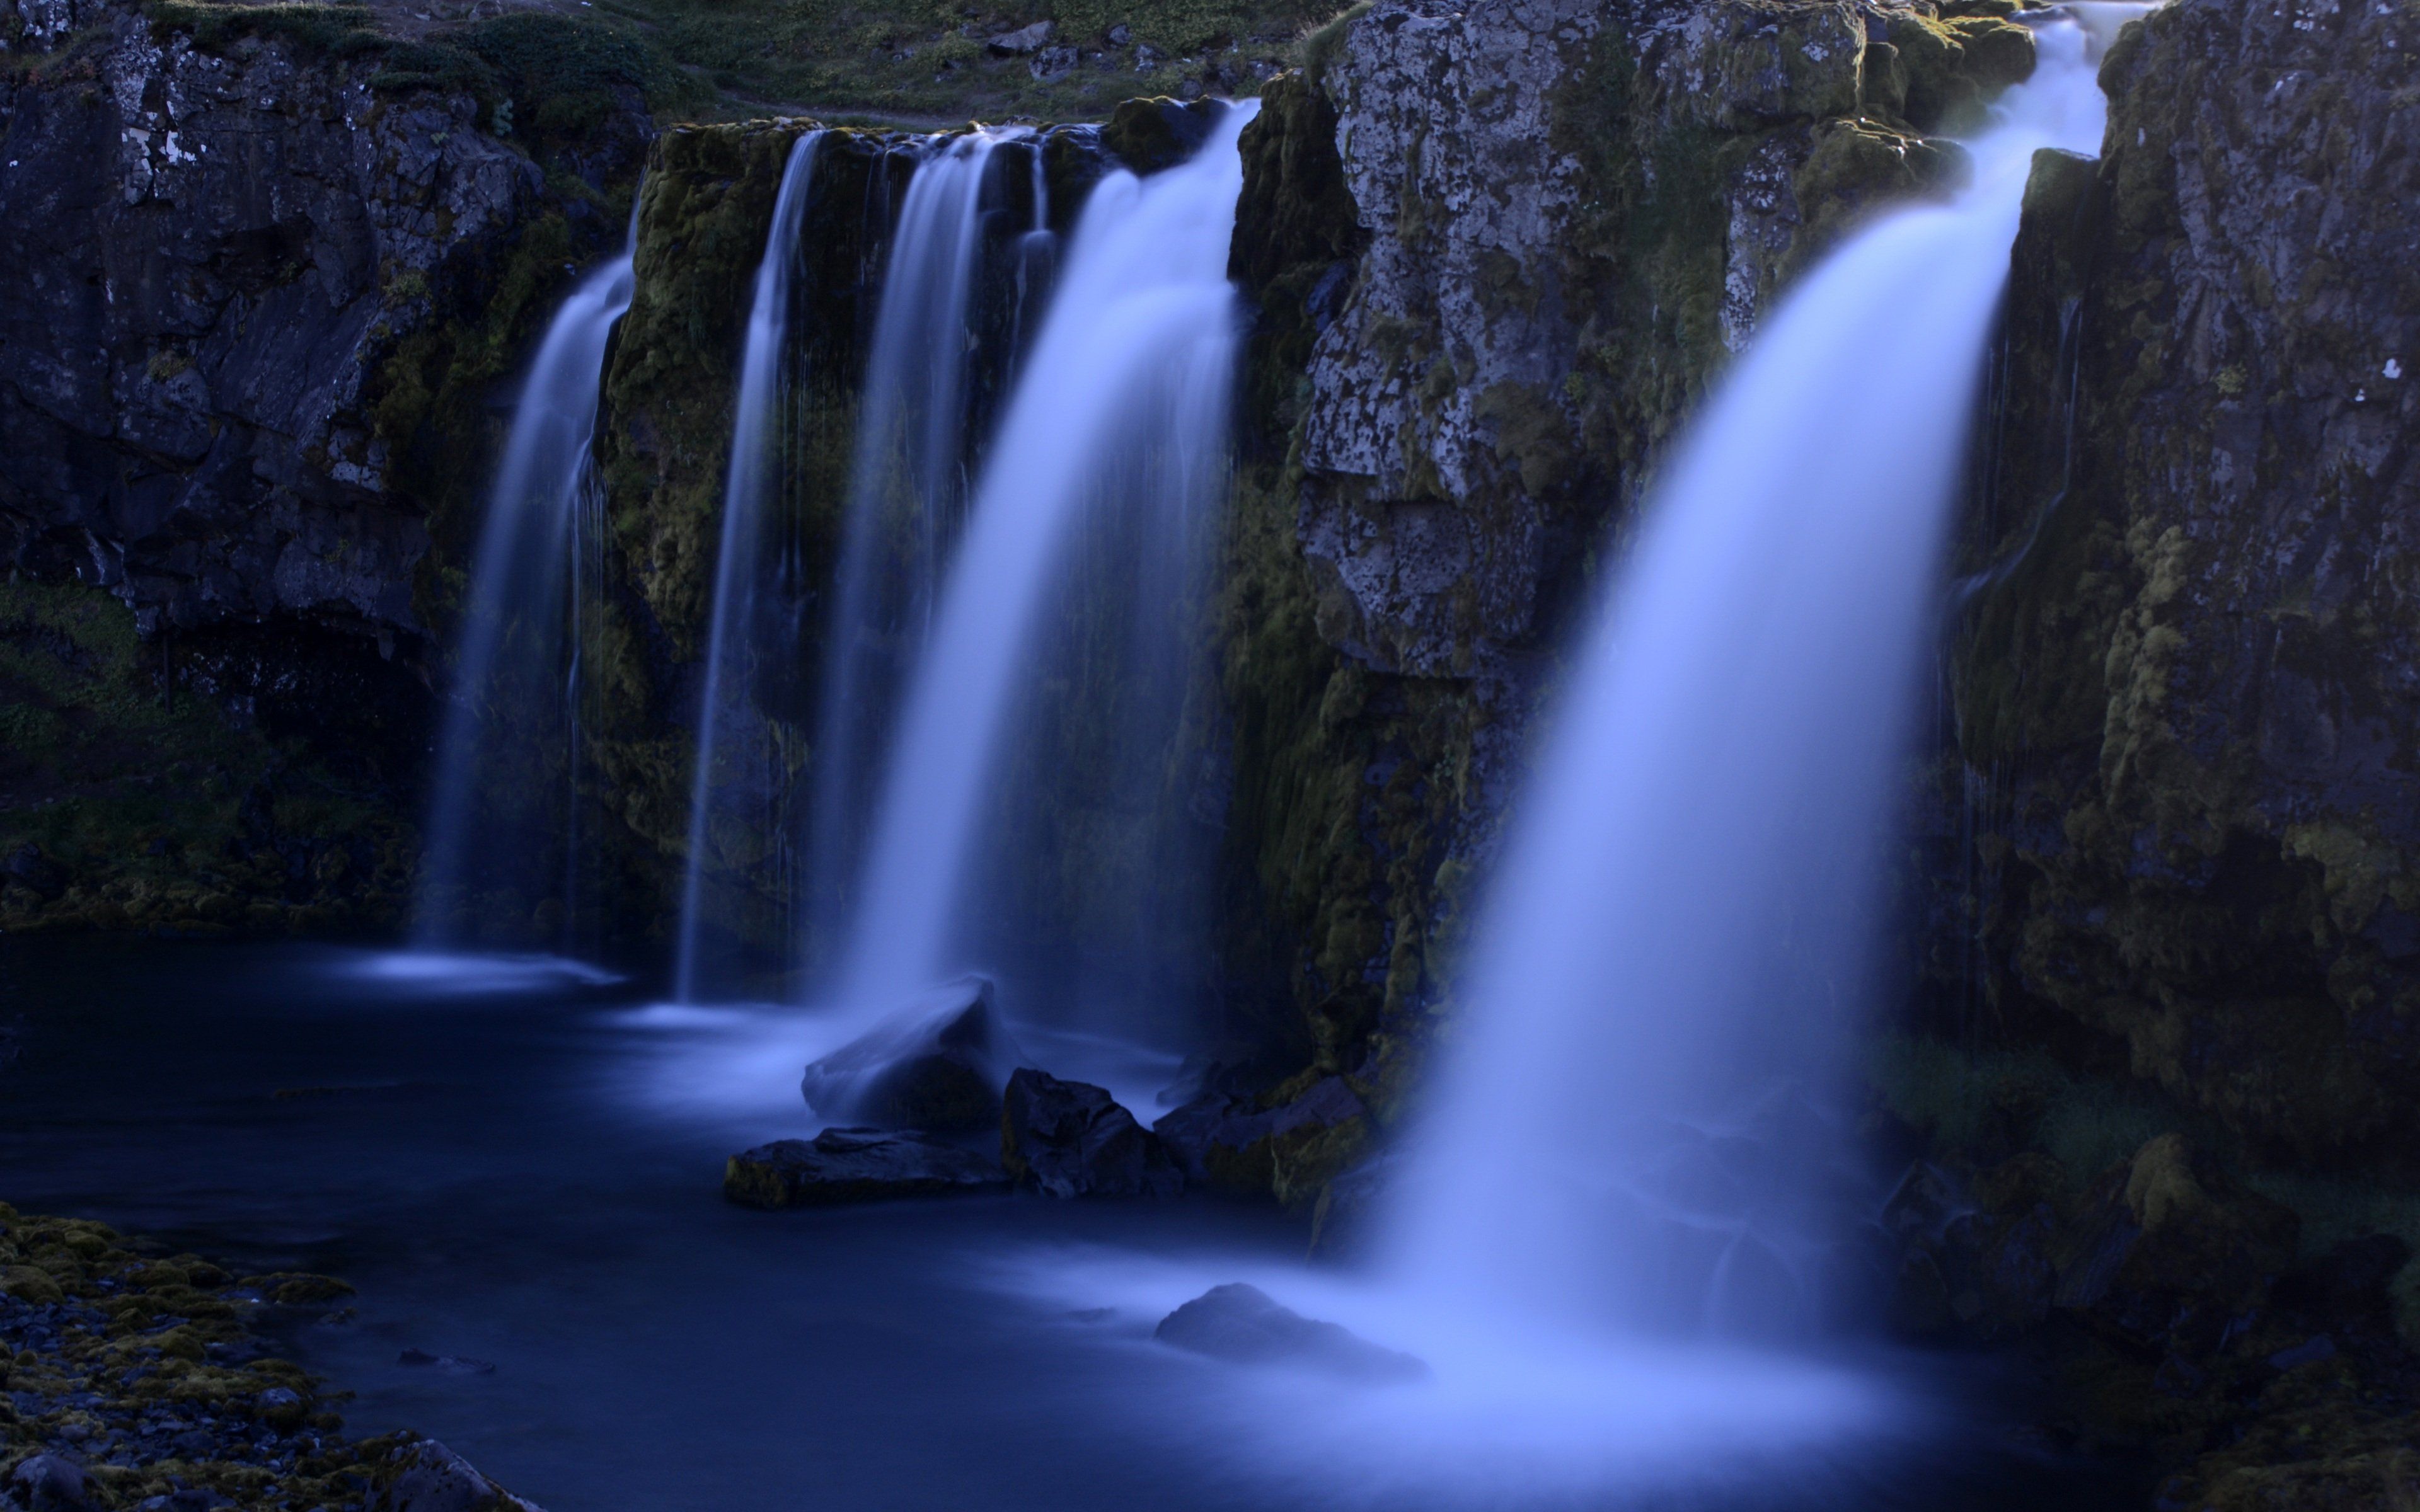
(135, 1378)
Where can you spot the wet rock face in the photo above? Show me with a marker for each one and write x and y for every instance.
(1507, 164)
(253, 305)
(1495, 253)
(2183, 682)
(204, 257)
(937, 1064)
(1233, 1144)
(1067, 1139)
(2167, 1303)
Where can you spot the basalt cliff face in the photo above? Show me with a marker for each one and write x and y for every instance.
(260, 290)
(2186, 660)
(2164, 898)
(1497, 254)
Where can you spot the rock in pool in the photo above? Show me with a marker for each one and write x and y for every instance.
(433, 1479)
(937, 1064)
(1071, 1140)
(855, 1166)
(1231, 1144)
(1245, 1325)
(454, 1365)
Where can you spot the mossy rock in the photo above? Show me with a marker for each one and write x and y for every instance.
(1149, 135)
(1946, 69)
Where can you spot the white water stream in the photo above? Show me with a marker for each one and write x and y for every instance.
(906, 490)
(731, 652)
(517, 630)
(1131, 367)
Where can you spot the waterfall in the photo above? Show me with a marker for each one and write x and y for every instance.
(907, 488)
(1126, 383)
(515, 674)
(1638, 1124)
(731, 648)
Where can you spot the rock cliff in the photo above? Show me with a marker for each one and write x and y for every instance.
(2188, 646)
(260, 282)
(1495, 253)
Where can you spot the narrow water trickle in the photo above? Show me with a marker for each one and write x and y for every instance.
(505, 795)
(732, 649)
(1125, 389)
(1638, 1131)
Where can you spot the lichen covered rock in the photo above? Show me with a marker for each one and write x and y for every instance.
(2188, 637)
(1494, 255)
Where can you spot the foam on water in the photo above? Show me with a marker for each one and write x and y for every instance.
(469, 973)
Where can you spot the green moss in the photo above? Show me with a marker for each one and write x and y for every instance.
(1999, 1102)
(342, 30)
(1321, 43)
(1947, 67)
(1148, 135)
(143, 841)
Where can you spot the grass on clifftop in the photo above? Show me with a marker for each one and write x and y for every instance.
(912, 61)
(934, 59)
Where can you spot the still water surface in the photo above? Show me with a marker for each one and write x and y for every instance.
(521, 1166)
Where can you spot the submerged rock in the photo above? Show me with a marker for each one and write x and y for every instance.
(37, 873)
(1245, 1325)
(456, 1365)
(936, 1064)
(1071, 1140)
(855, 1166)
(433, 1479)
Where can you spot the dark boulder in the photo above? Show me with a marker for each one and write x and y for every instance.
(855, 1166)
(38, 874)
(2166, 1228)
(452, 1364)
(429, 1477)
(50, 1481)
(1148, 135)
(1234, 1144)
(1071, 1140)
(936, 1064)
(1245, 1325)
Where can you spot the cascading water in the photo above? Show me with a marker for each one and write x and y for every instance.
(1608, 1237)
(731, 650)
(907, 488)
(1665, 981)
(513, 713)
(1126, 382)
